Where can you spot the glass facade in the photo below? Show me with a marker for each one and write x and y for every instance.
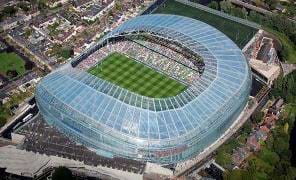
(116, 122)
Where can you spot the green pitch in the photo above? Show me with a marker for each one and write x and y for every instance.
(238, 33)
(136, 77)
(11, 61)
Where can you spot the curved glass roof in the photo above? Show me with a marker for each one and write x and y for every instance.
(226, 76)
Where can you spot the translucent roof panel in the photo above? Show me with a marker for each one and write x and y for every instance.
(149, 128)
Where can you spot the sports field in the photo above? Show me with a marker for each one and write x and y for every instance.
(136, 77)
(238, 33)
(11, 62)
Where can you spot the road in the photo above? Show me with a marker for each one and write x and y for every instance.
(250, 6)
(24, 110)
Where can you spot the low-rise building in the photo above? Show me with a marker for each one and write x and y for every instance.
(253, 143)
(262, 55)
(55, 3)
(4, 98)
(240, 155)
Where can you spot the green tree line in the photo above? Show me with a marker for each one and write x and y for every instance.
(273, 161)
(278, 24)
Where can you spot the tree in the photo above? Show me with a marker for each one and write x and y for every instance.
(271, 3)
(1, 16)
(33, 3)
(213, 5)
(269, 142)
(258, 3)
(281, 144)
(277, 89)
(255, 17)
(9, 10)
(223, 158)
(274, 160)
(118, 5)
(24, 6)
(269, 156)
(226, 6)
(286, 128)
(247, 127)
(258, 117)
(238, 174)
(260, 165)
(291, 10)
(291, 173)
(62, 173)
(282, 168)
(41, 4)
(236, 11)
(3, 115)
(28, 32)
(66, 52)
(244, 13)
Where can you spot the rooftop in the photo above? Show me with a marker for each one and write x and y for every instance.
(268, 70)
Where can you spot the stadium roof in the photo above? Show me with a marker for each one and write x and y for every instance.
(204, 109)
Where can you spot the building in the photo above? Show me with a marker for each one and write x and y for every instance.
(253, 143)
(264, 60)
(56, 28)
(4, 98)
(80, 3)
(267, 72)
(114, 121)
(240, 155)
(95, 11)
(55, 3)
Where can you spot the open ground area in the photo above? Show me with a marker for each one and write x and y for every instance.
(237, 32)
(10, 62)
(136, 77)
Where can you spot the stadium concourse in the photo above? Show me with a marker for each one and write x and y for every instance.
(159, 88)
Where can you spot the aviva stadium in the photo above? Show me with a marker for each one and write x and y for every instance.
(159, 88)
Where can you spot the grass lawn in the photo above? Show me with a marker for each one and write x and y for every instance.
(238, 33)
(11, 61)
(136, 77)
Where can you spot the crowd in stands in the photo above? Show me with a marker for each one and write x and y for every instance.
(156, 60)
(93, 59)
(192, 59)
(169, 53)
(154, 55)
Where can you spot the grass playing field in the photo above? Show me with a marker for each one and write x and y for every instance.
(238, 33)
(136, 77)
(11, 61)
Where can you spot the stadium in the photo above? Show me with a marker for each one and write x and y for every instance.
(159, 88)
